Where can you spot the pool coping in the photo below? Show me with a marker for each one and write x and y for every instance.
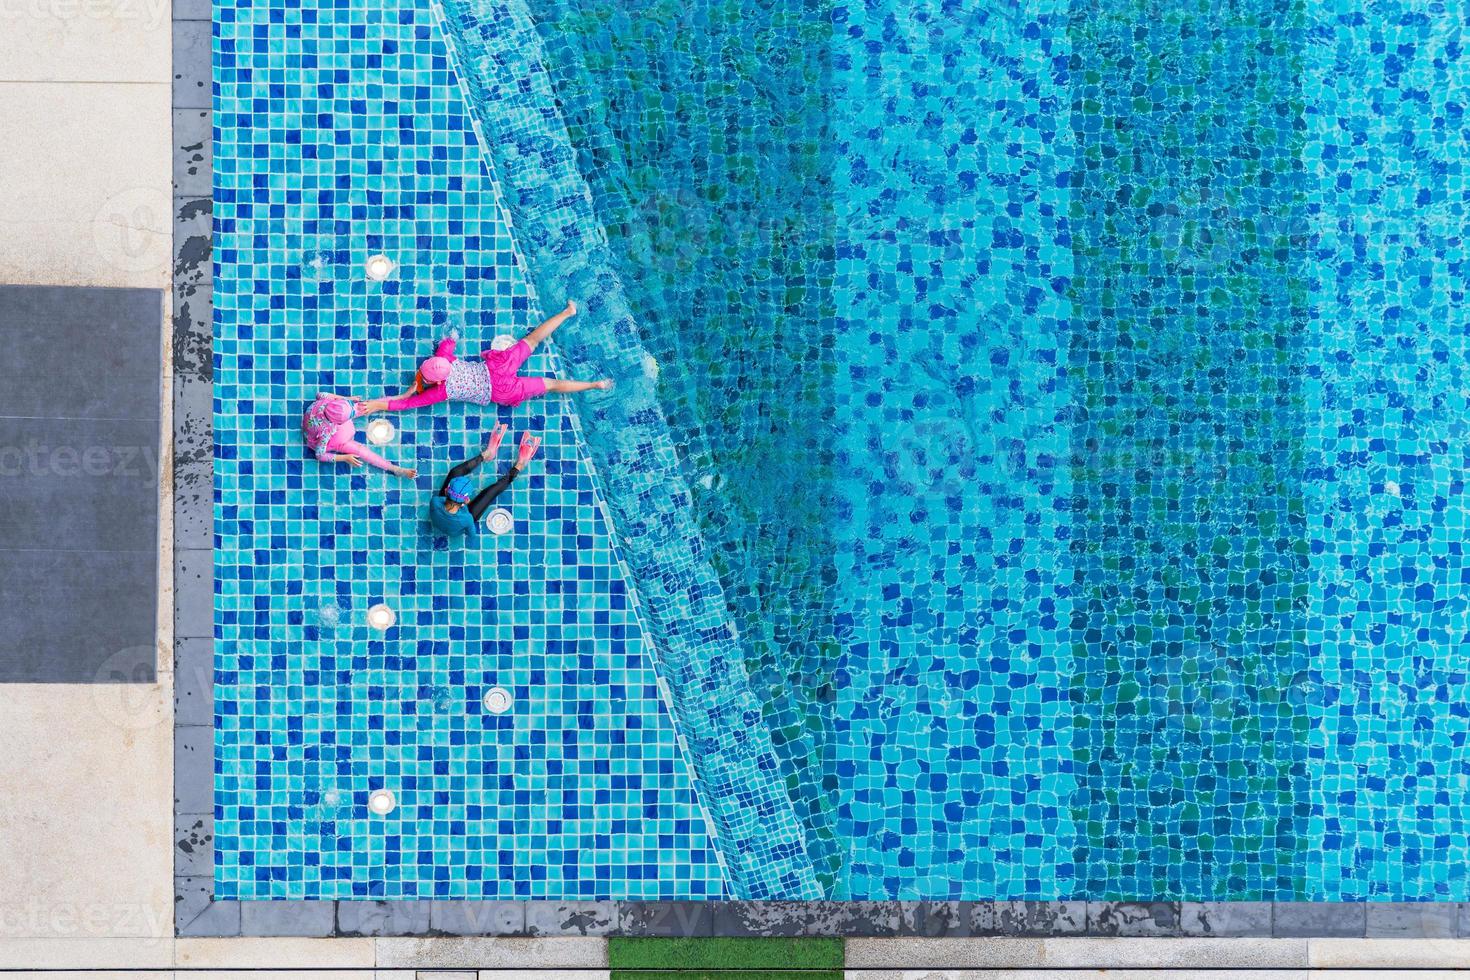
(199, 914)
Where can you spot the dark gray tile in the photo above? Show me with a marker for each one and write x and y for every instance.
(193, 769)
(193, 593)
(191, 64)
(191, 10)
(194, 844)
(79, 484)
(681, 920)
(1319, 920)
(193, 463)
(193, 341)
(1015, 918)
(856, 919)
(1411, 920)
(193, 247)
(193, 486)
(1464, 928)
(287, 918)
(935, 920)
(110, 337)
(571, 918)
(1225, 919)
(383, 918)
(192, 145)
(197, 914)
(194, 681)
(79, 617)
(1133, 919)
(478, 918)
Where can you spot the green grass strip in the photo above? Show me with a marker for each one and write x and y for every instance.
(725, 959)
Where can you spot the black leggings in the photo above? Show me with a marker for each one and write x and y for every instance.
(485, 497)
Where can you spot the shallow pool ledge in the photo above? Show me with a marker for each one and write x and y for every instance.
(501, 65)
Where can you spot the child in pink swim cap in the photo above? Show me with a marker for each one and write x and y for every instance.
(330, 433)
(490, 378)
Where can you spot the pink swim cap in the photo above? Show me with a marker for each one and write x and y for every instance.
(338, 411)
(434, 370)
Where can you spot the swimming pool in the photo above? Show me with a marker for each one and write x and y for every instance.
(1036, 468)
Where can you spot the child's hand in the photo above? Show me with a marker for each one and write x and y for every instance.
(529, 445)
(571, 309)
(350, 460)
(492, 446)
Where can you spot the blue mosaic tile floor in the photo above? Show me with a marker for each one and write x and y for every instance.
(1039, 448)
(341, 133)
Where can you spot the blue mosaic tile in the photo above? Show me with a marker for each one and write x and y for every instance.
(340, 133)
(502, 65)
(1035, 471)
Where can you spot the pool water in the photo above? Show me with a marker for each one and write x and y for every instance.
(1036, 468)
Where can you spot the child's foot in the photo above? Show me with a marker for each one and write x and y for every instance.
(411, 474)
(603, 385)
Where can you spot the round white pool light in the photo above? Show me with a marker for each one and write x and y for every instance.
(382, 802)
(379, 267)
(380, 432)
(498, 700)
(499, 521)
(502, 341)
(381, 617)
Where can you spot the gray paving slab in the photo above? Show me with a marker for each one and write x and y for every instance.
(193, 593)
(466, 918)
(191, 64)
(682, 920)
(193, 844)
(194, 681)
(99, 346)
(79, 617)
(288, 918)
(196, 913)
(1411, 920)
(1225, 919)
(79, 485)
(193, 142)
(571, 918)
(193, 769)
(356, 918)
(1319, 920)
(1133, 919)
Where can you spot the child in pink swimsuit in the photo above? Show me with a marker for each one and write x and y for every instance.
(491, 378)
(330, 433)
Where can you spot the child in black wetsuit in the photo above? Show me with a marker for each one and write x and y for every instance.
(456, 508)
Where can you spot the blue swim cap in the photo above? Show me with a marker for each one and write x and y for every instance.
(460, 489)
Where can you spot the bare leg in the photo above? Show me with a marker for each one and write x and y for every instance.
(534, 338)
(558, 385)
